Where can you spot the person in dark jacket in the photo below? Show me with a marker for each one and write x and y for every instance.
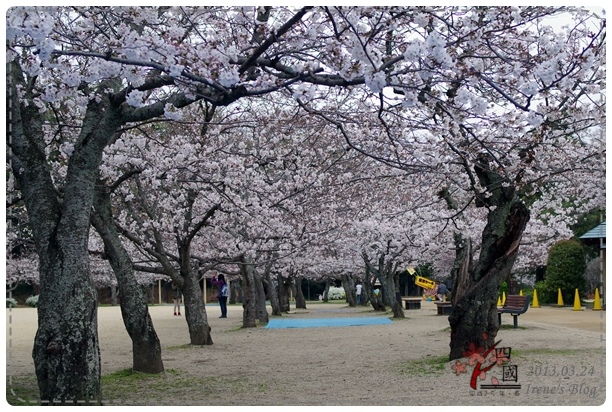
(222, 293)
(176, 294)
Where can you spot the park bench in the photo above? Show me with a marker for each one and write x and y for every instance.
(515, 305)
(412, 302)
(444, 308)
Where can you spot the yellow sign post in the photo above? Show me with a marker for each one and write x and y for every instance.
(424, 282)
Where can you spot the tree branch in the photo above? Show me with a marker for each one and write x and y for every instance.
(272, 38)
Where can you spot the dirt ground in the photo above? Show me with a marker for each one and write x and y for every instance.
(557, 358)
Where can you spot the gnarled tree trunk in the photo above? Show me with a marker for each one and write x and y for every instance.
(272, 294)
(146, 349)
(283, 294)
(326, 291)
(195, 310)
(235, 292)
(249, 313)
(66, 350)
(260, 298)
(476, 286)
(114, 295)
(367, 289)
(300, 302)
(385, 271)
(348, 283)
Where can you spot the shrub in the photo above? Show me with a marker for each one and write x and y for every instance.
(11, 303)
(336, 293)
(565, 269)
(32, 301)
(503, 289)
(546, 294)
(528, 290)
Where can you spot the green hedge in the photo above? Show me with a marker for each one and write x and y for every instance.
(564, 270)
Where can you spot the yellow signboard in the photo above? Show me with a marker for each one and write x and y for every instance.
(424, 282)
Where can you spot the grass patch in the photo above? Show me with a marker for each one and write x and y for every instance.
(22, 390)
(127, 384)
(178, 347)
(133, 388)
(128, 387)
(426, 366)
(127, 375)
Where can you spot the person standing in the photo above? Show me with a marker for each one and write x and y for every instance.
(442, 292)
(358, 287)
(222, 293)
(176, 294)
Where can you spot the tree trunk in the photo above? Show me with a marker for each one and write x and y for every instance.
(283, 296)
(366, 290)
(249, 315)
(146, 348)
(376, 299)
(348, 283)
(300, 302)
(474, 322)
(235, 292)
(389, 286)
(377, 303)
(114, 297)
(260, 299)
(151, 294)
(66, 350)
(272, 294)
(461, 268)
(326, 291)
(188, 281)
(195, 310)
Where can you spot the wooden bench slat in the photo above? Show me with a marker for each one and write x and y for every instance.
(515, 305)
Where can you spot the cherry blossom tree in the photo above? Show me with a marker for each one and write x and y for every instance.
(499, 121)
(38, 76)
(165, 205)
(492, 104)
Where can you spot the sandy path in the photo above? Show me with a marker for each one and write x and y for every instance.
(357, 365)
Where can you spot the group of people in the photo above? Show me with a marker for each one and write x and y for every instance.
(441, 292)
(222, 294)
